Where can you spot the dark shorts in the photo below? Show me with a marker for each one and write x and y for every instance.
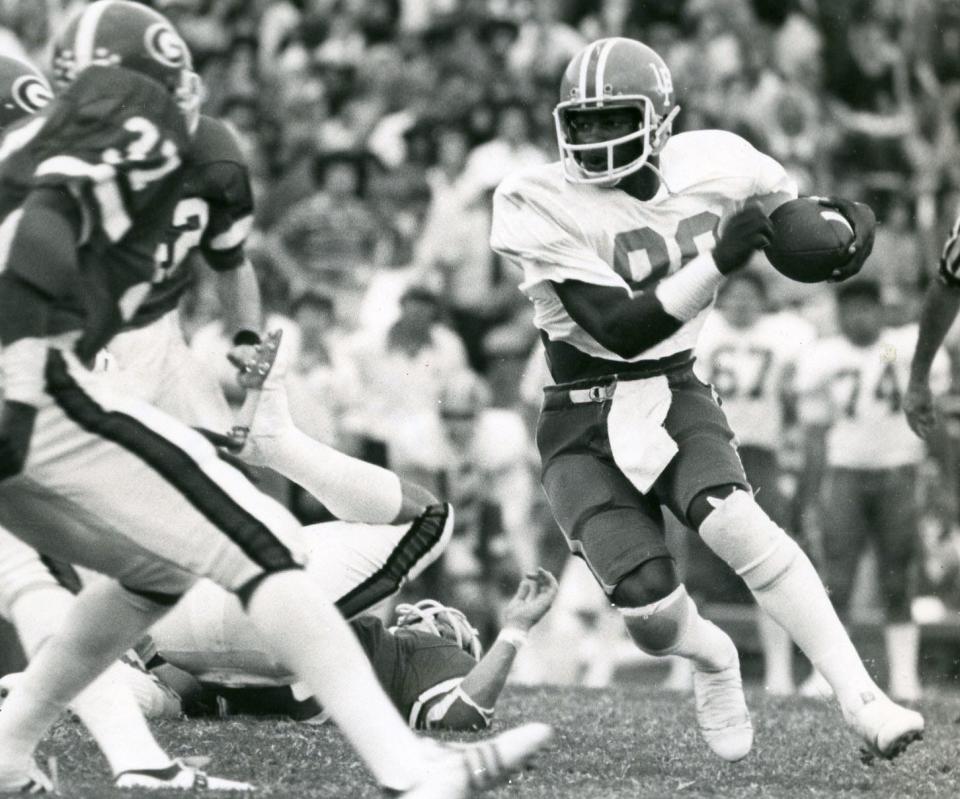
(605, 519)
(878, 506)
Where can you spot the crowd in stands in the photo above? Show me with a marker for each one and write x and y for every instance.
(376, 131)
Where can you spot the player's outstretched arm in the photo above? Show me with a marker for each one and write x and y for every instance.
(940, 307)
(471, 705)
(629, 325)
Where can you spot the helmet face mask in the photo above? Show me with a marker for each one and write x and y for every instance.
(432, 617)
(609, 74)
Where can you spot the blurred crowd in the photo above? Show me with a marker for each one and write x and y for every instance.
(376, 131)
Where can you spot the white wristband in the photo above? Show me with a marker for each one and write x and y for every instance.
(23, 364)
(513, 636)
(687, 292)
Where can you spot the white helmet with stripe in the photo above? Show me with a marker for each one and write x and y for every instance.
(615, 73)
(130, 35)
(430, 616)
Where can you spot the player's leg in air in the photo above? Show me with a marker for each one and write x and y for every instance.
(619, 533)
(788, 588)
(208, 519)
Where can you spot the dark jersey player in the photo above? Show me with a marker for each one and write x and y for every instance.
(430, 662)
(94, 476)
(622, 245)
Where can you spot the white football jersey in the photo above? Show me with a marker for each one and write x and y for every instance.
(859, 391)
(747, 367)
(556, 231)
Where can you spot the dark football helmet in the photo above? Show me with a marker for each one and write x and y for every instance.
(121, 33)
(23, 90)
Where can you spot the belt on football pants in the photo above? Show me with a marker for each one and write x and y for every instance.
(602, 389)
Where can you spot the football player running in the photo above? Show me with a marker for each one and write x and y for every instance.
(95, 476)
(36, 593)
(622, 245)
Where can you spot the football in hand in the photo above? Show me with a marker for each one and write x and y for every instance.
(809, 240)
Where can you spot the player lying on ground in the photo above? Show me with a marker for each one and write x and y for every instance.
(100, 478)
(622, 245)
(432, 682)
(430, 662)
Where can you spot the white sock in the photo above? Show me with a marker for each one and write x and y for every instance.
(101, 624)
(109, 710)
(777, 655)
(311, 638)
(903, 652)
(798, 601)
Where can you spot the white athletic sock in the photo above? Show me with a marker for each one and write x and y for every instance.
(777, 655)
(798, 601)
(903, 652)
(693, 637)
(109, 710)
(312, 639)
(101, 624)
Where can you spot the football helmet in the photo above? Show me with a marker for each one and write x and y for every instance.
(122, 33)
(430, 616)
(23, 90)
(615, 73)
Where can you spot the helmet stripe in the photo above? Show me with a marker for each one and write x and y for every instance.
(585, 67)
(83, 45)
(608, 45)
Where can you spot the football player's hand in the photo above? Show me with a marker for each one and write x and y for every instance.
(918, 406)
(864, 224)
(744, 232)
(534, 597)
(16, 428)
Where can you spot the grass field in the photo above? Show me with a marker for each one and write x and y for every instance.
(621, 742)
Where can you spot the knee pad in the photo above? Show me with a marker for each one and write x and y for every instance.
(648, 583)
(659, 626)
(749, 541)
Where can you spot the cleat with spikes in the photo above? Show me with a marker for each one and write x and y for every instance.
(467, 770)
(722, 712)
(887, 729)
(178, 777)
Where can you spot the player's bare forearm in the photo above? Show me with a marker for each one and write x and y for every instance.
(239, 295)
(485, 682)
(623, 324)
(940, 306)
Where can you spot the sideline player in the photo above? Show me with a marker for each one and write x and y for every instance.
(862, 463)
(86, 189)
(749, 355)
(601, 238)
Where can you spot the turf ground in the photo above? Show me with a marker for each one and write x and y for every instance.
(623, 742)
